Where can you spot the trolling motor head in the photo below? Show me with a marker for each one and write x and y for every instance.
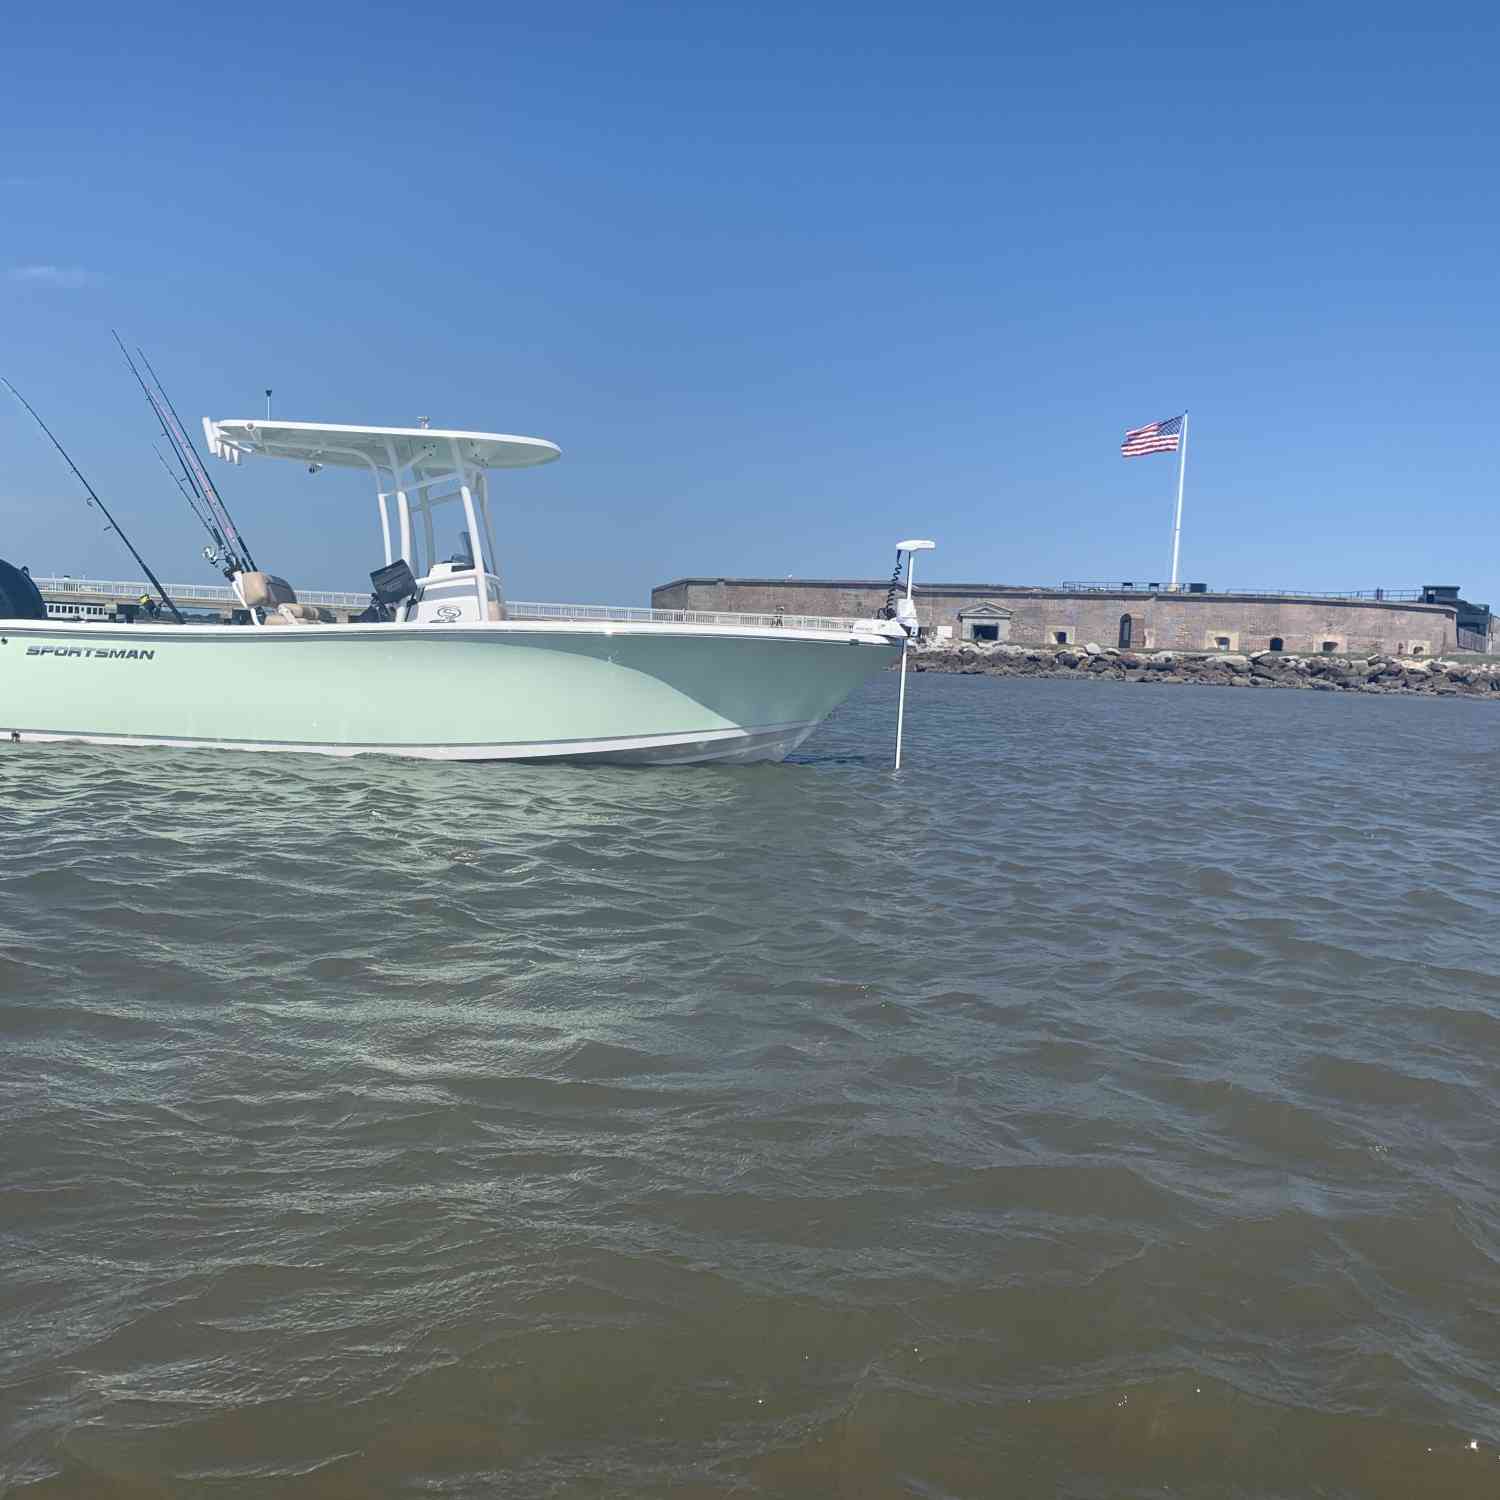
(898, 607)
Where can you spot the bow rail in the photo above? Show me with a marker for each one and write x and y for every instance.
(208, 594)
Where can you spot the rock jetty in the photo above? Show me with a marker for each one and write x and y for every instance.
(1435, 677)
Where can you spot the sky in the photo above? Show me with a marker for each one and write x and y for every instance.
(785, 283)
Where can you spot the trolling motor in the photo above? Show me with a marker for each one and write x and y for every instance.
(898, 606)
(904, 613)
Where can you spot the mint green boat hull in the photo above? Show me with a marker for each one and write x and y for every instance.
(648, 694)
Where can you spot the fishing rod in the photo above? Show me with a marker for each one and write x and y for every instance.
(231, 552)
(95, 500)
(197, 510)
(219, 507)
(191, 495)
(239, 549)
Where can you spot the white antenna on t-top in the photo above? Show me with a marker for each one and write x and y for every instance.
(268, 403)
(906, 617)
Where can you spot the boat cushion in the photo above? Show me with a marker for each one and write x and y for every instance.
(265, 590)
(297, 614)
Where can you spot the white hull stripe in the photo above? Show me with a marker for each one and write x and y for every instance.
(510, 632)
(716, 744)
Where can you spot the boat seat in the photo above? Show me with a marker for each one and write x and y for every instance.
(264, 590)
(298, 614)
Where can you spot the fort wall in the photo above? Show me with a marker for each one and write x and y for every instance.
(1137, 619)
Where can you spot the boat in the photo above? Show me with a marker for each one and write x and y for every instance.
(438, 667)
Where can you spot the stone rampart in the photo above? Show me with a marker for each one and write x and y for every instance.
(1136, 619)
(1232, 622)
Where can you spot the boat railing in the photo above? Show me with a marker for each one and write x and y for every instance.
(188, 593)
(515, 609)
(520, 609)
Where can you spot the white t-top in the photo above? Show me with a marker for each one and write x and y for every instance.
(358, 447)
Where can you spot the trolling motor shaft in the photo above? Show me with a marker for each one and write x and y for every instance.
(905, 614)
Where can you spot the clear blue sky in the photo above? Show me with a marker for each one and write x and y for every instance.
(784, 282)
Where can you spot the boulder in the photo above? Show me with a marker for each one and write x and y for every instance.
(1231, 660)
(1093, 648)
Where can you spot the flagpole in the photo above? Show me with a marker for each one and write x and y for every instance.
(1177, 524)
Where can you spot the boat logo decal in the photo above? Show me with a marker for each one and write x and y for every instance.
(447, 613)
(115, 653)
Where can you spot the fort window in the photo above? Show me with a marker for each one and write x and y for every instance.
(986, 632)
(1277, 644)
(1417, 650)
(1060, 637)
(1329, 647)
(1222, 642)
(1126, 626)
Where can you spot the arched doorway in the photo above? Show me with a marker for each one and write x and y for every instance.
(1127, 629)
(1277, 644)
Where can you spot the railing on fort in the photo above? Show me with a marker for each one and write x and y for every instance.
(1397, 596)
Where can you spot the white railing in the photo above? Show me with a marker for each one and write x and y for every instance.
(520, 609)
(187, 593)
(515, 609)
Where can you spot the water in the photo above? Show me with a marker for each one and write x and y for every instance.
(1105, 1106)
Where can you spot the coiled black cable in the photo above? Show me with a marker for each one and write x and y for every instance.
(889, 612)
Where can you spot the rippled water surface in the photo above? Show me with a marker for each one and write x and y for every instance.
(1103, 1106)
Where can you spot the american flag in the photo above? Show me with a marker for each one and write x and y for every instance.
(1154, 437)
